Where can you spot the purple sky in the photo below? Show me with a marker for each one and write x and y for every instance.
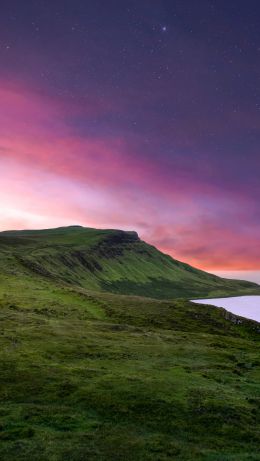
(138, 115)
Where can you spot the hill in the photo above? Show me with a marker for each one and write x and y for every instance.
(98, 376)
(111, 261)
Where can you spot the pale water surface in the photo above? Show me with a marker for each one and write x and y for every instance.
(246, 306)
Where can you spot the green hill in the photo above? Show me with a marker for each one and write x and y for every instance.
(109, 260)
(87, 374)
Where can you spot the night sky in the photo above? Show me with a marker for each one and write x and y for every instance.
(140, 115)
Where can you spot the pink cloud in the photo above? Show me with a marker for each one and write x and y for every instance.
(51, 176)
(33, 130)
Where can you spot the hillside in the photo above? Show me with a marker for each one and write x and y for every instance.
(92, 375)
(104, 377)
(111, 261)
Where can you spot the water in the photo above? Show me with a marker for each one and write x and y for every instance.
(245, 306)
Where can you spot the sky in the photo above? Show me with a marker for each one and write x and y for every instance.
(135, 114)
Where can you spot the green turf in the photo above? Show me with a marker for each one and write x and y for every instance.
(92, 375)
(112, 261)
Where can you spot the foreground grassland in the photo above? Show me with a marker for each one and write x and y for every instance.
(106, 377)
(90, 375)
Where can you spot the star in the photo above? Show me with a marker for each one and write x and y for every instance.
(164, 28)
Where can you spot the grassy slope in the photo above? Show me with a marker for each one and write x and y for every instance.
(96, 376)
(106, 377)
(113, 261)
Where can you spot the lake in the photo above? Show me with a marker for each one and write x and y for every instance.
(246, 306)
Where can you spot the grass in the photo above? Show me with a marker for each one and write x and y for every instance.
(110, 261)
(92, 375)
